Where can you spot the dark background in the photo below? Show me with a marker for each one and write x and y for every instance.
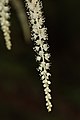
(21, 91)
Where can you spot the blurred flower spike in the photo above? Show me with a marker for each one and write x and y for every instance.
(4, 16)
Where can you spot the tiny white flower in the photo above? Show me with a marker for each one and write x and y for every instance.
(41, 53)
(42, 64)
(45, 47)
(47, 89)
(44, 81)
(38, 58)
(38, 42)
(45, 85)
(48, 96)
(42, 77)
(40, 68)
(34, 15)
(6, 8)
(48, 74)
(43, 72)
(48, 82)
(47, 65)
(47, 56)
(36, 48)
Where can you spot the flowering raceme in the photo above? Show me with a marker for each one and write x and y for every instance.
(4, 16)
(38, 35)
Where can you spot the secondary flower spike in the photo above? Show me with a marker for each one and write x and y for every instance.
(4, 16)
(39, 36)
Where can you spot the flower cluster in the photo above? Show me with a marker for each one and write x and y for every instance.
(4, 16)
(40, 37)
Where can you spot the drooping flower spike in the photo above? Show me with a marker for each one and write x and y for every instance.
(40, 37)
(4, 16)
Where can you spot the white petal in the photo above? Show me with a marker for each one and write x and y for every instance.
(41, 53)
(45, 81)
(38, 42)
(38, 58)
(48, 74)
(49, 82)
(36, 48)
(47, 65)
(45, 85)
(42, 77)
(45, 47)
(47, 56)
(40, 68)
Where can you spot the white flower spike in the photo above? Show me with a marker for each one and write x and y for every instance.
(4, 16)
(39, 36)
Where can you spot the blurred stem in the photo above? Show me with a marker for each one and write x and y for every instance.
(18, 6)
